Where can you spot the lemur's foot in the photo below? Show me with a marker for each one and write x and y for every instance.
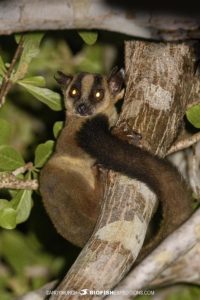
(126, 133)
(100, 170)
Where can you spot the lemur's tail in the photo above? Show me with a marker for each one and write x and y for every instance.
(162, 178)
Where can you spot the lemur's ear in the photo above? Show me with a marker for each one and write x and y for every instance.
(63, 79)
(116, 80)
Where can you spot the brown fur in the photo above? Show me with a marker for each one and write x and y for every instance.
(71, 189)
(70, 183)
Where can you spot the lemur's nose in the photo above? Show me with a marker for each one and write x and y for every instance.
(82, 109)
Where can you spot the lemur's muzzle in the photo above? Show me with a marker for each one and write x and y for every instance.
(83, 109)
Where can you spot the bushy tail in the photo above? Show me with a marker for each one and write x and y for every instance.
(161, 177)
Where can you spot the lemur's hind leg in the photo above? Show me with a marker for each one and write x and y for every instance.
(71, 203)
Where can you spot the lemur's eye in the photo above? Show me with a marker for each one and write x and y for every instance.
(99, 94)
(74, 92)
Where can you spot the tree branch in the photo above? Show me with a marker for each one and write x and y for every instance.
(184, 269)
(9, 181)
(21, 170)
(185, 143)
(6, 83)
(176, 245)
(166, 24)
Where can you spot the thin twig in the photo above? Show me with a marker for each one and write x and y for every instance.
(22, 170)
(7, 83)
(185, 143)
(9, 181)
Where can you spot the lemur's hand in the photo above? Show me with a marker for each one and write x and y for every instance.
(125, 132)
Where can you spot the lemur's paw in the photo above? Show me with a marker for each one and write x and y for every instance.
(125, 132)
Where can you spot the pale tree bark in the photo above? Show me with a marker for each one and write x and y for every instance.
(194, 169)
(159, 82)
(185, 269)
(144, 21)
(174, 247)
(8, 180)
(185, 143)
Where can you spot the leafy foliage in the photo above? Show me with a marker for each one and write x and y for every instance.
(31, 110)
(17, 210)
(31, 43)
(57, 128)
(183, 293)
(8, 215)
(20, 131)
(5, 131)
(22, 204)
(46, 96)
(2, 67)
(193, 115)
(42, 153)
(89, 37)
(27, 266)
(10, 159)
(38, 81)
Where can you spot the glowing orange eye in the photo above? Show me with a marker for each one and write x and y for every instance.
(74, 92)
(98, 94)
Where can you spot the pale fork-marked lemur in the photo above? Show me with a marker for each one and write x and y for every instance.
(70, 182)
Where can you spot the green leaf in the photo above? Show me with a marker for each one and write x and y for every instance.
(22, 204)
(90, 59)
(7, 218)
(43, 152)
(89, 37)
(46, 96)
(35, 80)
(7, 215)
(10, 159)
(4, 203)
(5, 131)
(17, 37)
(2, 67)
(14, 242)
(22, 126)
(193, 115)
(57, 128)
(31, 44)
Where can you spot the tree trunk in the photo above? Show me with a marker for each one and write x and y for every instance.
(159, 87)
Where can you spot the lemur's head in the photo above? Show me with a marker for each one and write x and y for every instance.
(88, 94)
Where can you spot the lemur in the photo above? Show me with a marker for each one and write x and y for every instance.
(70, 182)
